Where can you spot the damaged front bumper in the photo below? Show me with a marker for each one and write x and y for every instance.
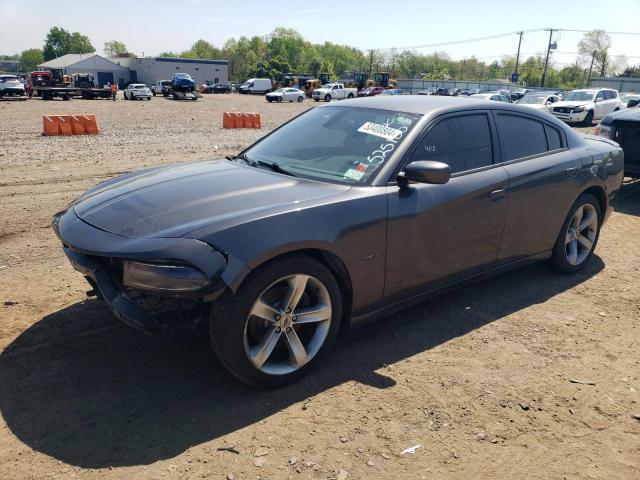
(101, 257)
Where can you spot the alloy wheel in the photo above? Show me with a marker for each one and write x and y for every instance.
(288, 324)
(581, 234)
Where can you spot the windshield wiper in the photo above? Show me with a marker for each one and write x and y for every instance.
(275, 167)
(243, 157)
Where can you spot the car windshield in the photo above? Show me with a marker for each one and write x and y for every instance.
(183, 76)
(579, 96)
(139, 85)
(9, 79)
(336, 144)
(531, 99)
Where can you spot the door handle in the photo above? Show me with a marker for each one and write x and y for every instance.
(571, 171)
(497, 194)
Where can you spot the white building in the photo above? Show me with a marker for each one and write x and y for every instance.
(104, 70)
(151, 69)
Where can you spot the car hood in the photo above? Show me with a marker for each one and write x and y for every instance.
(625, 115)
(172, 201)
(571, 104)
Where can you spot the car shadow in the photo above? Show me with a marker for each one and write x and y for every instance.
(82, 388)
(628, 198)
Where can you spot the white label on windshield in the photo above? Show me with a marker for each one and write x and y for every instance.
(353, 174)
(378, 130)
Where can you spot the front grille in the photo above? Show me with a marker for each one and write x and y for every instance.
(628, 136)
(562, 109)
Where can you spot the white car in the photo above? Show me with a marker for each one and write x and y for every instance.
(587, 105)
(10, 85)
(539, 101)
(333, 91)
(137, 90)
(495, 96)
(285, 94)
(159, 85)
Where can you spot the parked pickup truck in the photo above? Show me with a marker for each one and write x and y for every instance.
(333, 91)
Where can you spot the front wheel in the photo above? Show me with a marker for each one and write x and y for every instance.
(579, 235)
(300, 99)
(327, 98)
(279, 324)
(279, 100)
(588, 120)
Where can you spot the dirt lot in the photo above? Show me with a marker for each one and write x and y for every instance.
(480, 379)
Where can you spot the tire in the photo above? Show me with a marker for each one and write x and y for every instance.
(235, 334)
(350, 95)
(300, 99)
(588, 120)
(317, 99)
(327, 98)
(153, 92)
(562, 257)
(269, 100)
(279, 100)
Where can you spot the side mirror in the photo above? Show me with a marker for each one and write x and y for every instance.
(548, 102)
(597, 100)
(425, 171)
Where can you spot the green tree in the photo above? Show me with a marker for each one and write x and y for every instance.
(59, 42)
(114, 49)
(30, 59)
(596, 44)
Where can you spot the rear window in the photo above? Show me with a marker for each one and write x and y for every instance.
(521, 137)
(554, 138)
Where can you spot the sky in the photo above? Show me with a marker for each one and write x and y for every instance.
(150, 27)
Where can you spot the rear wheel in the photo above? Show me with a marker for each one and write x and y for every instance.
(350, 95)
(279, 324)
(579, 235)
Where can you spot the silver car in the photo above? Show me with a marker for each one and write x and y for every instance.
(137, 90)
(10, 85)
(286, 95)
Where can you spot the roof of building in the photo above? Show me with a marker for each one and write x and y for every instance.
(71, 59)
(190, 60)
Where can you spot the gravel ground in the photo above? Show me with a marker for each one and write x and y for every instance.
(526, 375)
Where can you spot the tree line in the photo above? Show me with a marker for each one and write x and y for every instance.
(285, 50)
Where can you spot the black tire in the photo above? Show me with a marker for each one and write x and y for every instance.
(588, 120)
(559, 256)
(350, 95)
(269, 100)
(327, 98)
(229, 317)
(317, 99)
(279, 100)
(153, 92)
(300, 99)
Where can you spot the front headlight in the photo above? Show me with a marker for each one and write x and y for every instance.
(162, 278)
(578, 110)
(606, 131)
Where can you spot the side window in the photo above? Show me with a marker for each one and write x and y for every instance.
(600, 95)
(520, 136)
(554, 137)
(462, 142)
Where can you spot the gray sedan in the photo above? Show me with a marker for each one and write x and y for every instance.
(345, 214)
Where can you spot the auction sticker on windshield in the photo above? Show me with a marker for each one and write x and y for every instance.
(382, 131)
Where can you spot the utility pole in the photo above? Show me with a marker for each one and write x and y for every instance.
(546, 61)
(593, 57)
(518, 55)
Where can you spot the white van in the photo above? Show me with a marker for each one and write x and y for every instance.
(256, 85)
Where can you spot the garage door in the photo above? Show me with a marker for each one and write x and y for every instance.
(105, 78)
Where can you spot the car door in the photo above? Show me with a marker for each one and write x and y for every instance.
(543, 183)
(600, 108)
(439, 233)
